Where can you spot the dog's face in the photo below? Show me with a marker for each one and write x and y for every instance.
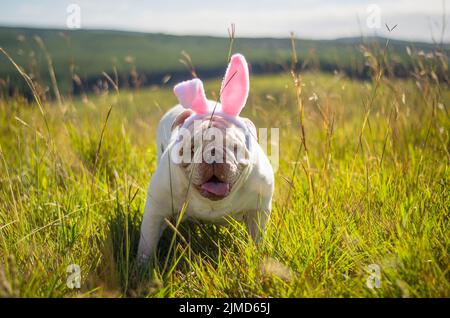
(214, 153)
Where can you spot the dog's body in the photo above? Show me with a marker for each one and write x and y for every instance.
(249, 186)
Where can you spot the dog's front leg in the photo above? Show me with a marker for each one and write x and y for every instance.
(152, 227)
(256, 221)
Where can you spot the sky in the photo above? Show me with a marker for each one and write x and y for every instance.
(316, 19)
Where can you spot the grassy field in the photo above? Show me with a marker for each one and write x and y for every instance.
(372, 188)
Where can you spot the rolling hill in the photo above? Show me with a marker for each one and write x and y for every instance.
(146, 58)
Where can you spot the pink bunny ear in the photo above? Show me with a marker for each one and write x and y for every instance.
(235, 86)
(191, 95)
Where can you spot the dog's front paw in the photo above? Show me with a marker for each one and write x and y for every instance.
(142, 260)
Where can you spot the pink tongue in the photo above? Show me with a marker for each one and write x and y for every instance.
(217, 188)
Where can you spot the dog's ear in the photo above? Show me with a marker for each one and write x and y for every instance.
(235, 86)
(191, 95)
(181, 118)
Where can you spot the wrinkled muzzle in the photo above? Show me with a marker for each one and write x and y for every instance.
(215, 161)
(217, 172)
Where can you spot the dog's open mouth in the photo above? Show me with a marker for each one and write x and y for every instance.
(214, 189)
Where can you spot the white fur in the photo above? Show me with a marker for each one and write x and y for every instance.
(250, 199)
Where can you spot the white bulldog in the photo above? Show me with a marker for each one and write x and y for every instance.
(209, 162)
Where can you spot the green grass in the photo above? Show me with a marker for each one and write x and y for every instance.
(379, 199)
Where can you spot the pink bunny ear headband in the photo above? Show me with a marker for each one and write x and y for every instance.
(233, 94)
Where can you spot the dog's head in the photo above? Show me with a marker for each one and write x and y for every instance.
(213, 142)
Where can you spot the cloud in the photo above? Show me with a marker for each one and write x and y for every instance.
(308, 18)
